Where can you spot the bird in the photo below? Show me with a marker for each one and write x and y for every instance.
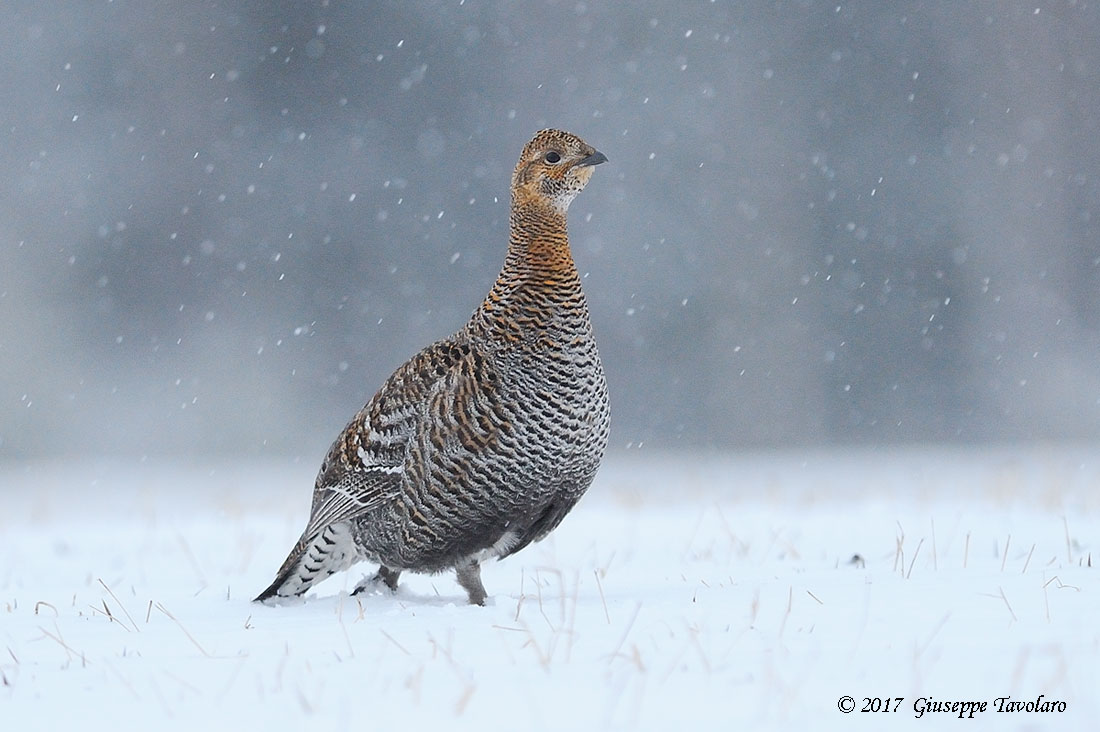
(483, 441)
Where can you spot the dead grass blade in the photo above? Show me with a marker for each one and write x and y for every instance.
(599, 586)
(185, 631)
(68, 649)
(913, 561)
(119, 602)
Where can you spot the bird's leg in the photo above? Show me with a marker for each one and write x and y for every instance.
(469, 576)
(384, 575)
(388, 576)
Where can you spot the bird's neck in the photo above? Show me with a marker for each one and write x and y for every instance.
(538, 242)
(538, 251)
(539, 276)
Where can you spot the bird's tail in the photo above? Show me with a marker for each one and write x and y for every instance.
(312, 559)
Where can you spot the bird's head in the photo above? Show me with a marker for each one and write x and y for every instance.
(555, 166)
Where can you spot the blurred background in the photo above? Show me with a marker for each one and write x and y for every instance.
(223, 224)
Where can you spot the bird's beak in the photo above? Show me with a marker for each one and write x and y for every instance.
(595, 158)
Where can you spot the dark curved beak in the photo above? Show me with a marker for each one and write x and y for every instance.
(595, 158)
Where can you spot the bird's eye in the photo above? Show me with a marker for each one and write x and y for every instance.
(552, 157)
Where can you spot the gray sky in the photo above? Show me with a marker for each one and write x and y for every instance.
(224, 224)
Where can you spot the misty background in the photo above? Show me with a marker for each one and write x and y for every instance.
(223, 224)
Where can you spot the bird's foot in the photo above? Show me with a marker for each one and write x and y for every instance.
(384, 577)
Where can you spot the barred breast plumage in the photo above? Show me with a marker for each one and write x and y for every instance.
(482, 442)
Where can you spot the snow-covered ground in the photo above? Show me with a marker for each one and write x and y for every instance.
(687, 593)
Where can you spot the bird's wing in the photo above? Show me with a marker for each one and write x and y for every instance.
(432, 403)
(356, 490)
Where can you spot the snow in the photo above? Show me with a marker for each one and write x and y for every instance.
(708, 592)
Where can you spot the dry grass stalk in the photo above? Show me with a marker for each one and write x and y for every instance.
(1028, 560)
(914, 559)
(43, 603)
(106, 612)
(1010, 611)
(393, 640)
(935, 632)
(69, 650)
(935, 554)
(899, 550)
(787, 614)
(626, 632)
(1061, 586)
(185, 631)
(603, 600)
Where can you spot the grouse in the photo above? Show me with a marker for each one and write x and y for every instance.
(482, 442)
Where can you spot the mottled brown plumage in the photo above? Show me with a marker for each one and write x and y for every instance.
(483, 441)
